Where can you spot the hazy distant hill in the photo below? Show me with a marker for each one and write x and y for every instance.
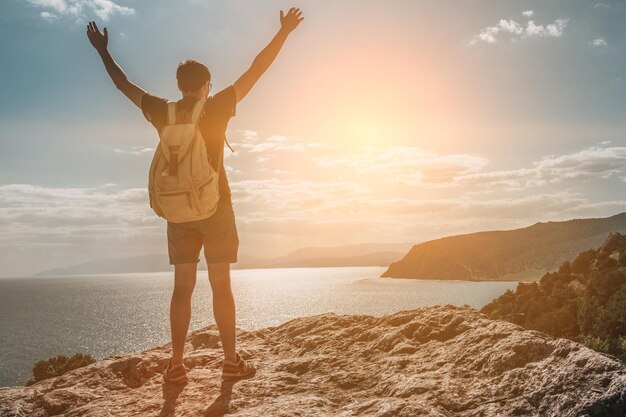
(349, 255)
(149, 263)
(366, 254)
(520, 254)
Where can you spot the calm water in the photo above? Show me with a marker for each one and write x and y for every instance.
(110, 314)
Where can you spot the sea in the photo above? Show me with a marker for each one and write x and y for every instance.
(104, 315)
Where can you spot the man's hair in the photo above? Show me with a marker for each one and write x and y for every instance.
(192, 75)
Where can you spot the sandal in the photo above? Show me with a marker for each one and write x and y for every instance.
(178, 375)
(240, 369)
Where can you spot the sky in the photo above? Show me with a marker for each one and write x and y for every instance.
(379, 122)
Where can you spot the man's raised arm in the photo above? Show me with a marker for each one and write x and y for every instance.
(100, 41)
(261, 63)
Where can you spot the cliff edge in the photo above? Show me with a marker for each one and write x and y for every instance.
(432, 361)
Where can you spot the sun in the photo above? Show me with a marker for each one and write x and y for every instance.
(367, 130)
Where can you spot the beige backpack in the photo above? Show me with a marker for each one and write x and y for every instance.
(183, 186)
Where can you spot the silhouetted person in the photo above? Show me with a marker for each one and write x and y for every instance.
(218, 233)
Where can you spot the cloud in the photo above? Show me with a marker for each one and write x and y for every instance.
(43, 227)
(50, 222)
(251, 142)
(414, 167)
(295, 197)
(80, 9)
(48, 16)
(528, 13)
(518, 31)
(327, 194)
(135, 150)
(594, 163)
(27, 203)
(598, 42)
(554, 30)
(408, 165)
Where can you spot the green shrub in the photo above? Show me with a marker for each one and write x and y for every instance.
(596, 343)
(565, 268)
(57, 366)
(582, 263)
(622, 343)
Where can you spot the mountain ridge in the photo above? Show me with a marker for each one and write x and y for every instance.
(501, 254)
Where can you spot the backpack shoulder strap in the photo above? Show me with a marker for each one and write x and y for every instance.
(198, 108)
(171, 112)
(228, 144)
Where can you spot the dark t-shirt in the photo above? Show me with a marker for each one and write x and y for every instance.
(217, 112)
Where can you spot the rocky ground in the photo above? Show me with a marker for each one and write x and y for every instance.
(433, 361)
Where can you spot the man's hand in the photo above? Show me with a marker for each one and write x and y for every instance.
(98, 40)
(290, 21)
(264, 59)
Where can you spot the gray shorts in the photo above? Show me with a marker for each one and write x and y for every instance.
(218, 235)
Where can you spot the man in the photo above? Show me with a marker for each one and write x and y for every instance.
(218, 233)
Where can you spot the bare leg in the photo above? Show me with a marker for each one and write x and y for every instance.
(180, 308)
(223, 307)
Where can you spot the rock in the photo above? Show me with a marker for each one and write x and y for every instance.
(433, 361)
(206, 339)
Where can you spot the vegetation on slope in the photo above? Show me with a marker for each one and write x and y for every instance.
(57, 366)
(584, 300)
